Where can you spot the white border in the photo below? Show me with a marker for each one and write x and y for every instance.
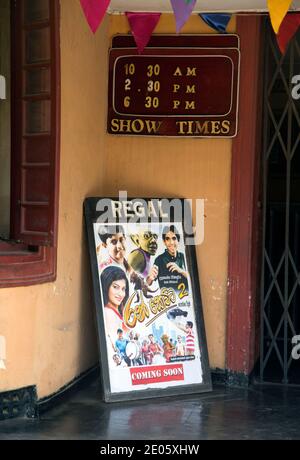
(158, 136)
(172, 56)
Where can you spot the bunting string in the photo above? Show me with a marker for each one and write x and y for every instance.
(142, 25)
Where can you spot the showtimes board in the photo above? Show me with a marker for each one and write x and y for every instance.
(183, 90)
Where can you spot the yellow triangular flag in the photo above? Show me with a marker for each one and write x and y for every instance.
(278, 9)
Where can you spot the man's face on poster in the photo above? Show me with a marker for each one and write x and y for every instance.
(148, 242)
(117, 359)
(171, 243)
(120, 335)
(116, 247)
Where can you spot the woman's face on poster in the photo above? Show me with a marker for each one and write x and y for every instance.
(117, 292)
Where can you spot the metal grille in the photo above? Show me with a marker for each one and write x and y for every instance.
(280, 293)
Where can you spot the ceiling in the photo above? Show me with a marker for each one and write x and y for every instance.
(120, 6)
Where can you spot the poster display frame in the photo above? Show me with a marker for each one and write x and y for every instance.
(178, 374)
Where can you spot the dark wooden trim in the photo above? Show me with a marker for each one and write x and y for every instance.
(57, 115)
(16, 114)
(18, 265)
(20, 206)
(24, 402)
(29, 268)
(244, 261)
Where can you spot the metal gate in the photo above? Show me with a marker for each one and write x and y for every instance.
(280, 290)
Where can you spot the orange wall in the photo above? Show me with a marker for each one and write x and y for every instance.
(49, 329)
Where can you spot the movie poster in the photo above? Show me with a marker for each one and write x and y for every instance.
(147, 297)
(148, 310)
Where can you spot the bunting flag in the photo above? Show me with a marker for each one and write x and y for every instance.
(94, 11)
(278, 9)
(142, 26)
(287, 29)
(182, 10)
(217, 21)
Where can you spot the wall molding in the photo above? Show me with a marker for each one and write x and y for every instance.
(18, 403)
(23, 402)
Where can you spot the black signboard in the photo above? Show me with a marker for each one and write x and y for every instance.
(174, 91)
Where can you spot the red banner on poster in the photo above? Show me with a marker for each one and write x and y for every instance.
(156, 374)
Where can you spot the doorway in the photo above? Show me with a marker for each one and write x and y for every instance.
(280, 288)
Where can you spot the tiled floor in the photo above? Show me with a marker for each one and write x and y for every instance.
(226, 413)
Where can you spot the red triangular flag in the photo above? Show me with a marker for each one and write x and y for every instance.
(94, 11)
(142, 26)
(287, 29)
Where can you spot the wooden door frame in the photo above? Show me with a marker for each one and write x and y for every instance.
(244, 234)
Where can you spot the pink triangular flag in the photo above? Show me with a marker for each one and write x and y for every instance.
(142, 26)
(287, 29)
(94, 11)
(182, 10)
